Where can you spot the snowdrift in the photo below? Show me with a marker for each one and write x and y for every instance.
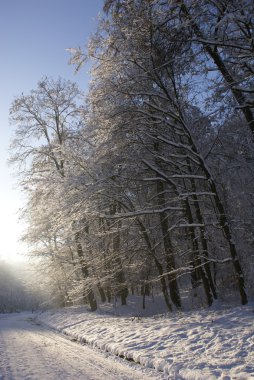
(207, 344)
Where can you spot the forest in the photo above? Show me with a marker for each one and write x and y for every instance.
(145, 184)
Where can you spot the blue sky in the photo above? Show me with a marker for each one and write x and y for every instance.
(33, 37)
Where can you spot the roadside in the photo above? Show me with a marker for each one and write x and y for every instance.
(216, 343)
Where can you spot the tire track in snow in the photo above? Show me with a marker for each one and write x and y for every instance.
(29, 351)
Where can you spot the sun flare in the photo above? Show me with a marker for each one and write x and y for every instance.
(11, 230)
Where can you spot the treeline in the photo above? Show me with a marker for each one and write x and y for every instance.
(18, 288)
(147, 182)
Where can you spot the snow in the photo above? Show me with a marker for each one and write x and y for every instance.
(215, 343)
(142, 212)
(29, 351)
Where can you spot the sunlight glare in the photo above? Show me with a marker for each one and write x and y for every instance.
(10, 231)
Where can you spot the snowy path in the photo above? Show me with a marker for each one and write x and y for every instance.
(29, 351)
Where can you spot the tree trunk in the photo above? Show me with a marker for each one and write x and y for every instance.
(84, 269)
(198, 271)
(223, 222)
(202, 234)
(102, 293)
(157, 264)
(120, 276)
(170, 261)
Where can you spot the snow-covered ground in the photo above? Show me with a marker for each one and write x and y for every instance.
(215, 343)
(29, 351)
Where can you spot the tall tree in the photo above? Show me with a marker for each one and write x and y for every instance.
(46, 122)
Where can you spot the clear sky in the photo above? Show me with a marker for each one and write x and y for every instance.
(33, 37)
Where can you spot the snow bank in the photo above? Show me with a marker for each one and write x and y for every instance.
(209, 344)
